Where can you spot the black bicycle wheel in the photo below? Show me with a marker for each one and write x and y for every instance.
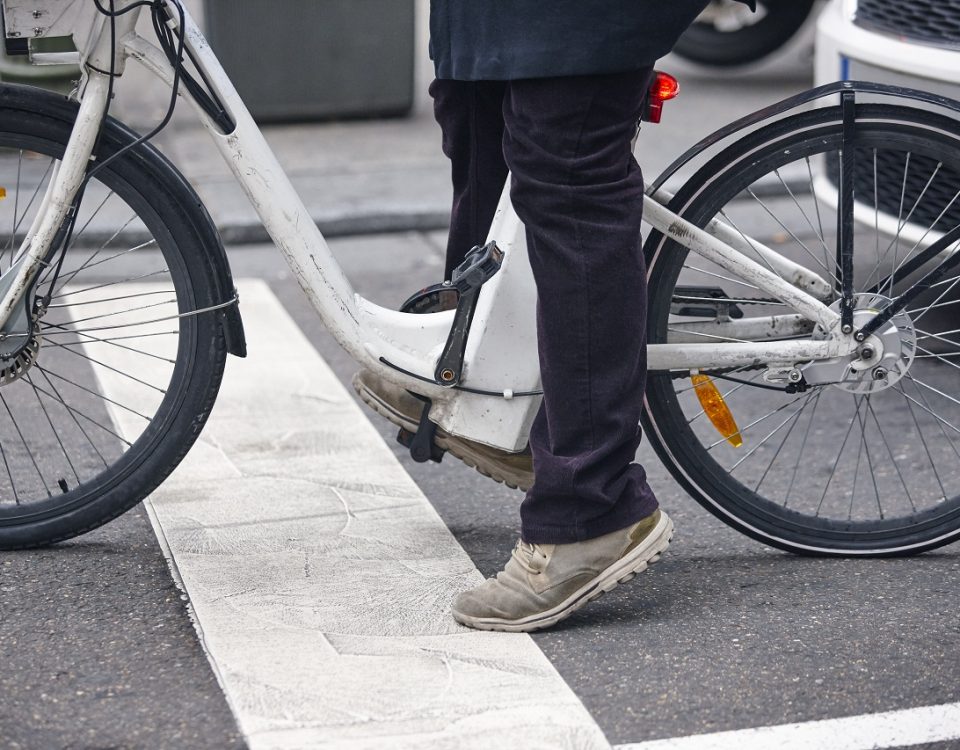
(114, 381)
(727, 33)
(868, 465)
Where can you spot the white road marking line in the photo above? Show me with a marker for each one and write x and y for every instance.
(910, 726)
(321, 577)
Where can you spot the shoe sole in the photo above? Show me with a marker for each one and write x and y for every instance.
(625, 569)
(453, 446)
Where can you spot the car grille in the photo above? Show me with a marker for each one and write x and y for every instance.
(935, 22)
(892, 188)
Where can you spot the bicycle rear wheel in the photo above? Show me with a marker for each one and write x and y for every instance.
(869, 467)
(112, 386)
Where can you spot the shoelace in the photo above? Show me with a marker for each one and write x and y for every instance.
(523, 553)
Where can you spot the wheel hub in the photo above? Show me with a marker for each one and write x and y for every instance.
(20, 342)
(15, 366)
(879, 362)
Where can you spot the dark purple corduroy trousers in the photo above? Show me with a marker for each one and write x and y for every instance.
(578, 189)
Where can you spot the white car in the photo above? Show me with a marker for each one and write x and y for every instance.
(911, 43)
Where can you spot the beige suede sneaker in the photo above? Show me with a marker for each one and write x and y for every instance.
(400, 407)
(544, 583)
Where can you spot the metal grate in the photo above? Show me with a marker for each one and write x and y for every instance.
(934, 22)
(892, 188)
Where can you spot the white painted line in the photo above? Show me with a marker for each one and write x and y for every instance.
(910, 726)
(321, 577)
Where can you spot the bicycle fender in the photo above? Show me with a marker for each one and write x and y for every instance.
(116, 135)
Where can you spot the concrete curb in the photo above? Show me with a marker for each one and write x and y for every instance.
(345, 226)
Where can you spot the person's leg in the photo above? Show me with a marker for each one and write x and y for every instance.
(579, 190)
(470, 114)
(590, 520)
(471, 118)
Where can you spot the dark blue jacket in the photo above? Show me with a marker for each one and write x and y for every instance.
(473, 40)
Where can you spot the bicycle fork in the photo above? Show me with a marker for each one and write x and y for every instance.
(57, 203)
(67, 177)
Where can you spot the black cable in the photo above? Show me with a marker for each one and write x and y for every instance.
(203, 94)
(175, 87)
(114, 13)
(465, 389)
(746, 382)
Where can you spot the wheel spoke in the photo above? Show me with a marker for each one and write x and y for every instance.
(870, 466)
(78, 292)
(69, 276)
(26, 210)
(16, 210)
(893, 460)
(103, 300)
(721, 276)
(53, 429)
(751, 244)
(754, 423)
(803, 445)
(926, 448)
(68, 348)
(26, 446)
(6, 465)
(88, 339)
(819, 234)
(91, 392)
(87, 417)
(833, 469)
(115, 313)
(794, 418)
(816, 205)
(73, 416)
(793, 236)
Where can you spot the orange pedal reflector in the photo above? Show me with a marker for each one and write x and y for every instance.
(716, 409)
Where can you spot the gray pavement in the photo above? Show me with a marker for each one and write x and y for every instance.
(98, 651)
(724, 633)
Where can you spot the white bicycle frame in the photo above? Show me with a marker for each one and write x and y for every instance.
(501, 354)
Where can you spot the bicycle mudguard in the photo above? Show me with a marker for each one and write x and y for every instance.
(116, 135)
(794, 102)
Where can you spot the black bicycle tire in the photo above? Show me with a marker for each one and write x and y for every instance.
(167, 206)
(705, 45)
(664, 422)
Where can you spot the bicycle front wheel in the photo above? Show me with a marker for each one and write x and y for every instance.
(110, 388)
(868, 465)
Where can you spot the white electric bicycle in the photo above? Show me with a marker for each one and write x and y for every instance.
(808, 266)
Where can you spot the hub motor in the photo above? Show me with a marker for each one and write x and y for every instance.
(879, 362)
